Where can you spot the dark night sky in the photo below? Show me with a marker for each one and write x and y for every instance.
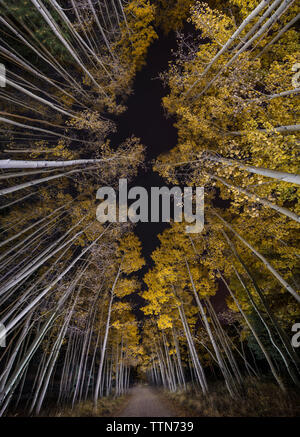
(146, 119)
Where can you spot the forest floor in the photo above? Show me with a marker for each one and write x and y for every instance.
(145, 401)
(106, 407)
(260, 399)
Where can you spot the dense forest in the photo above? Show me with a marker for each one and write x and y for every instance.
(86, 310)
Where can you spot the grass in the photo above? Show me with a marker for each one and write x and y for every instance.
(106, 407)
(261, 399)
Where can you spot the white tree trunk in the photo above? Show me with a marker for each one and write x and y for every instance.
(271, 269)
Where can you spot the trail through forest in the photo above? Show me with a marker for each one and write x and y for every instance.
(145, 402)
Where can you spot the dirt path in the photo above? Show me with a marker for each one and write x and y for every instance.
(145, 402)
